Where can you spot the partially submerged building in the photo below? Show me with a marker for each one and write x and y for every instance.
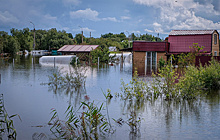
(146, 55)
(82, 51)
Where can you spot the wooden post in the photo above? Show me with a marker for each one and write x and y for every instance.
(82, 36)
(171, 61)
(98, 63)
(151, 60)
(54, 62)
(76, 60)
(145, 66)
(122, 59)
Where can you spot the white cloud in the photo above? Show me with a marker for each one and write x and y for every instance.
(84, 29)
(85, 14)
(136, 32)
(90, 15)
(125, 17)
(110, 19)
(156, 24)
(6, 17)
(49, 17)
(181, 14)
(149, 31)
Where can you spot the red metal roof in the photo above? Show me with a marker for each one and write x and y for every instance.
(191, 32)
(77, 48)
(150, 46)
(181, 43)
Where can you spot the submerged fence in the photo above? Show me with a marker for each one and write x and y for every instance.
(205, 59)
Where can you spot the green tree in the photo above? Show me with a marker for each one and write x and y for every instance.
(13, 45)
(3, 40)
(24, 38)
(78, 38)
(103, 55)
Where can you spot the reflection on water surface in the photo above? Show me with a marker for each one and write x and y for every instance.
(24, 94)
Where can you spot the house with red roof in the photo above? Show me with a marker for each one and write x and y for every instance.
(146, 55)
(180, 40)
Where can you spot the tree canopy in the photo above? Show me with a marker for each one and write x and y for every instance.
(21, 40)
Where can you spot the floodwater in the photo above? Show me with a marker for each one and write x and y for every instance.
(24, 94)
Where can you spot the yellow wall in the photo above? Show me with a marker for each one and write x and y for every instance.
(139, 61)
(215, 47)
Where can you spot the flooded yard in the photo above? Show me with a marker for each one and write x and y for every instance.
(25, 94)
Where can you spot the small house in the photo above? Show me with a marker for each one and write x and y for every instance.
(180, 40)
(146, 55)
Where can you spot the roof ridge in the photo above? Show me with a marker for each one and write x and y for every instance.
(191, 32)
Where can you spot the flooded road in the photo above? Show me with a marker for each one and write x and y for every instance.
(24, 94)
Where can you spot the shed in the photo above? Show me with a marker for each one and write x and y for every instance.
(146, 55)
(80, 50)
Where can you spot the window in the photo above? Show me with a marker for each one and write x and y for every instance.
(215, 39)
(215, 53)
(151, 62)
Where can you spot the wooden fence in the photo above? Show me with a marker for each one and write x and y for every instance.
(205, 59)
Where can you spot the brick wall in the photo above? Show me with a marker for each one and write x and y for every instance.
(139, 62)
(161, 54)
(215, 47)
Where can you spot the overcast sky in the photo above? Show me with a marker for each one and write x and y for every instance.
(115, 16)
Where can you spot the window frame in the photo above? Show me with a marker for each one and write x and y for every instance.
(215, 39)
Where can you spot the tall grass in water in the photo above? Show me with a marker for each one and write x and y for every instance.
(6, 122)
(91, 124)
(73, 81)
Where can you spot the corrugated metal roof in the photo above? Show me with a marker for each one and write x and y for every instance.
(149, 46)
(77, 48)
(191, 32)
(181, 44)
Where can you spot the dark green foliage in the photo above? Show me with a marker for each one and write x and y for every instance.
(145, 37)
(102, 54)
(53, 39)
(75, 61)
(8, 44)
(161, 62)
(115, 37)
(78, 39)
(190, 84)
(23, 40)
(210, 75)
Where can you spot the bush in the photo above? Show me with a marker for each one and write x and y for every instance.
(211, 75)
(190, 85)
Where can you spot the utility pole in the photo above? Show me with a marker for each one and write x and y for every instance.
(82, 32)
(128, 39)
(34, 35)
(82, 36)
